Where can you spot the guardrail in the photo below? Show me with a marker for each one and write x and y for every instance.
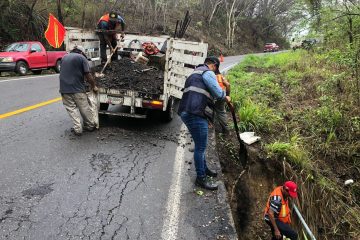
(306, 227)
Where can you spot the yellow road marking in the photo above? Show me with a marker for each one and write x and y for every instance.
(9, 114)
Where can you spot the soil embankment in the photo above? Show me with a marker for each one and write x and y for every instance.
(248, 187)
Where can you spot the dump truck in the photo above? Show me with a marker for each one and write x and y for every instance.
(177, 59)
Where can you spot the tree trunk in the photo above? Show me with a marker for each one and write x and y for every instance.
(61, 19)
(29, 28)
(214, 10)
(83, 14)
(230, 18)
(60, 16)
(350, 32)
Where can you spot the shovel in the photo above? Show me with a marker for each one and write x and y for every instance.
(242, 150)
(101, 74)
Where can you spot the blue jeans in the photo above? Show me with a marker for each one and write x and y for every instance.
(198, 128)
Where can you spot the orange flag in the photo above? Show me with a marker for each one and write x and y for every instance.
(55, 32)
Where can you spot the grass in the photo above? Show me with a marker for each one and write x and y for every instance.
(305, 108)
(291, 150)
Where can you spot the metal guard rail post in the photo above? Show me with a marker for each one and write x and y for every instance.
(307, 229)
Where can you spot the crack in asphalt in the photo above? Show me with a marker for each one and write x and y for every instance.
(108, 176)
(101, 188)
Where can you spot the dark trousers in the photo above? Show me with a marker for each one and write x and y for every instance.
(284, 229)
(198, 128)
(103, 45)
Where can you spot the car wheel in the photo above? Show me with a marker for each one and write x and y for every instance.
(22, 68)
(37, 72)
(57, 66)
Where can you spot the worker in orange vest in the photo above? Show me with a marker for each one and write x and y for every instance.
(277, 211)
(110, 21)
(220, 112)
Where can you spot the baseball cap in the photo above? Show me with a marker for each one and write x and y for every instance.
(81, 48)
(214, 60)
(291, 187)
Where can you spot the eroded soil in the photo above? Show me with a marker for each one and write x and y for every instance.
(248, 187)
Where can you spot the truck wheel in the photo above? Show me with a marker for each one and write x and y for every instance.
(22, 68)
(37, 72)
(104, 106)
(57, 66)
(168, 115)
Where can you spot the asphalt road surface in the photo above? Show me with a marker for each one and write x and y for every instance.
(128, 180)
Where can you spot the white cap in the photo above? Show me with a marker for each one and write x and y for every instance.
(81, 48)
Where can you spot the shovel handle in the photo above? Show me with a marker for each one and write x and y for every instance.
(232, 110)
(108, 61)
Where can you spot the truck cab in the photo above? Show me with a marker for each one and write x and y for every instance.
(21, 57)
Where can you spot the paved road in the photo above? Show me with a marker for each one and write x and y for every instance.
(129, 180)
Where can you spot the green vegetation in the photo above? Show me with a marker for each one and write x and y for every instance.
(305, 106)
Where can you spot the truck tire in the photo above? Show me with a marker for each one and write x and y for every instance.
(37, 72)
(22, 68)
(168, 115)
(104, 106)
(57, 66)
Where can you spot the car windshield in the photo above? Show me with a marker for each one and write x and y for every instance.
(17, 47)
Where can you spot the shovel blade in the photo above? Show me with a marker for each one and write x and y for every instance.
(99, 75)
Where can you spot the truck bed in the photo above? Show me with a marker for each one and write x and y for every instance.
(125, 74)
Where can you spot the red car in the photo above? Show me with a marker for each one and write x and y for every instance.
(271, 47)
(21, 57)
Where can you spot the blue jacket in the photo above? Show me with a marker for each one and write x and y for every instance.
(197, 98)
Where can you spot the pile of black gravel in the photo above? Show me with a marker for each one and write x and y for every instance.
(126, 74)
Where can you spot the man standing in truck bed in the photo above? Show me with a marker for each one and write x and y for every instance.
(110, 21)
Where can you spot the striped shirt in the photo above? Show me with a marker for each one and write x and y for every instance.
(275, 206)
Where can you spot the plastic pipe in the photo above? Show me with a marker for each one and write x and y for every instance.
(307, 229)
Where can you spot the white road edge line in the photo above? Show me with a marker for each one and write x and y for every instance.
(228, 67)
(172, 214)
(18, 79)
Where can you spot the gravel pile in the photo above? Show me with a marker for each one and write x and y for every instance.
(127, 74)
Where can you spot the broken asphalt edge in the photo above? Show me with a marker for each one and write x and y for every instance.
(222, 195)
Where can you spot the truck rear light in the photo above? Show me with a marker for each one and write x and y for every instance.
(155, 104)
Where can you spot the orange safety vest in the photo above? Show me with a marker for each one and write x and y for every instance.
(219, 79)
(284, 214)
(104, 18)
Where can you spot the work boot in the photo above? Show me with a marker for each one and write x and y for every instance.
(210, 173)
(75, 132)
(206, 183)
(89, 129)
